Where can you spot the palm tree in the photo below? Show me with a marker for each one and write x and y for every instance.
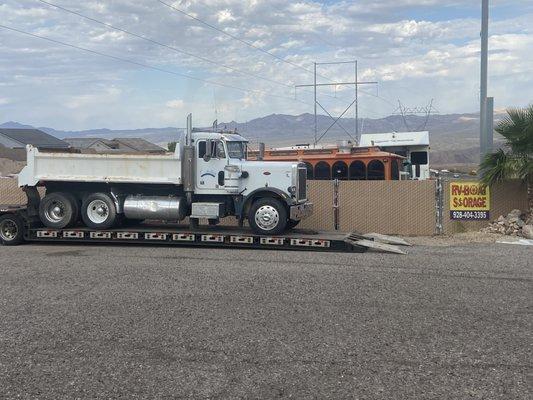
(515, 160)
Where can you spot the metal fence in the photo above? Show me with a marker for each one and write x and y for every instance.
(412, 208)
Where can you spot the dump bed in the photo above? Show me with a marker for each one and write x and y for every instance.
(120, 168)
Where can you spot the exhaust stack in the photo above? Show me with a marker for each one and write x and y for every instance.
(188, 162)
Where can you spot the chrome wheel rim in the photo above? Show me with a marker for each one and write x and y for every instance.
(55, 211)
(97, 211)
(8, 230)
(266, 217)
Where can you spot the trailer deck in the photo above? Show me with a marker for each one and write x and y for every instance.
(205, 236)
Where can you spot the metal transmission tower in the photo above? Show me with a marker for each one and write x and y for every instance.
(355, 101)
(423, 110)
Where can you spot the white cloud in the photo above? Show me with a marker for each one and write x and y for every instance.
(225, 16)
(177, 104)
(413, 58)
(4, 101)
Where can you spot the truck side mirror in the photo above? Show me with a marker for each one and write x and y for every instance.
(208, 150)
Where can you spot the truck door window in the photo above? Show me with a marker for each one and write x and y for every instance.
(217, 149)
(201, 149)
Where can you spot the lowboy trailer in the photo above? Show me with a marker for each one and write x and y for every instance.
(17, 226)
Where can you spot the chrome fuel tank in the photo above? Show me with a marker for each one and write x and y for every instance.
(170, 208)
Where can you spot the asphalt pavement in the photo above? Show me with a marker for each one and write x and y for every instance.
(149, 322)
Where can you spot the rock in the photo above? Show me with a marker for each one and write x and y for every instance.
(527, 231)
(501, 219)
(520, 223)
(514, 213)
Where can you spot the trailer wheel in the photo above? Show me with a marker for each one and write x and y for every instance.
(58, 210)
(98, 211)
(11, 230)
(268, 216)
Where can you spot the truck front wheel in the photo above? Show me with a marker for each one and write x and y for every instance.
(98, 211)
(268, 216)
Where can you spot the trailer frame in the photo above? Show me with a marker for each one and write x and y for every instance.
(184, 236)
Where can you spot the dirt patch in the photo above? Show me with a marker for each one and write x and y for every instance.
(8, 166)
(455, 239)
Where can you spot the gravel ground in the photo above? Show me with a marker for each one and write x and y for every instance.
(450, 321)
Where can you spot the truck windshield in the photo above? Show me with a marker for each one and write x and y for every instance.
(236, 150)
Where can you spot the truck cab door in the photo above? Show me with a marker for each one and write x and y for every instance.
(212, 159)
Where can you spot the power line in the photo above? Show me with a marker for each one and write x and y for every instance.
(147, 39)
(167, 46)
(239, 39)
(139, 64)
(424, 110)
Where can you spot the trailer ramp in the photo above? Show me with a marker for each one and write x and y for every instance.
(378, 242)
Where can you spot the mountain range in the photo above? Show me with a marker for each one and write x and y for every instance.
(454, 138)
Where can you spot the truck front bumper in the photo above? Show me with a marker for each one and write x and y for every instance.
(301, 211)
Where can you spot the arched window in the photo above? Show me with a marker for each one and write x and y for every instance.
(376, 171)
(340, 170)
(357, 171)
(395, 170)
(322, 170)
(309, 167)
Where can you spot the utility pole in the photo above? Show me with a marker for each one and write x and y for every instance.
(316, 127)
(356, 102)
(485, 116)
(317, 104)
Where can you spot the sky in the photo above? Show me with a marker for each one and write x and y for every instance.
(241, 59)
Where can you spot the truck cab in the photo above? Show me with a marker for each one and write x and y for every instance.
(222, 168)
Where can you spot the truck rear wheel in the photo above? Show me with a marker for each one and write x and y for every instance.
(11, 230)
(58, 210)
(98, 211)
(268, 216)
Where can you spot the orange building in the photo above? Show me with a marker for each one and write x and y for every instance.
(340, 162)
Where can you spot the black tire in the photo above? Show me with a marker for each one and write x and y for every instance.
(274, 210)
(58, 210)
(11, 230)
(98, 211)
(291, 224)
(75, 208)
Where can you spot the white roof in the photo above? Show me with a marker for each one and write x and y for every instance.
(395, 139)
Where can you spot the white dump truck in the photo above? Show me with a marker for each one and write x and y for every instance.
(206, 177)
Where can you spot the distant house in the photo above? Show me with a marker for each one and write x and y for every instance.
(138, 145)
(122, 145)
(19, 138)
(97, 144)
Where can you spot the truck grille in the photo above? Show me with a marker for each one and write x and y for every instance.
(302, 183)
